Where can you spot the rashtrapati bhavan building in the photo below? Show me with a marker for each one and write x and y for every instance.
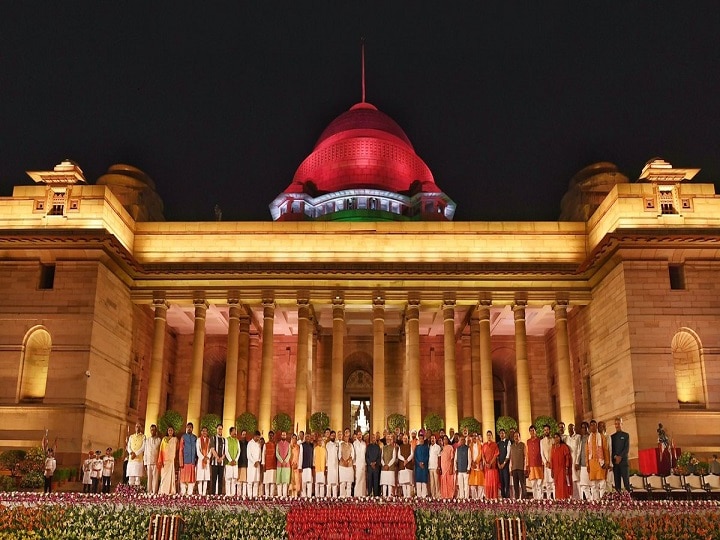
(361, 298)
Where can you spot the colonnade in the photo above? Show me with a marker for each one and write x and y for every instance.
(480, 402)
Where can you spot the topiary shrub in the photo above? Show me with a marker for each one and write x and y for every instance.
(319, 422)
(472, 424)
(246, 421)
(7, 483)
(397, 420)
(282, 422)
(10, 461)
(210, 421)
(434, 422)
(171, 418)
(32, 480)
(34, 461)
(540, 421)
(507, 423)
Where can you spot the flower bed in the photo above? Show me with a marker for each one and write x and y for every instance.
(354, 519)
(126, 514)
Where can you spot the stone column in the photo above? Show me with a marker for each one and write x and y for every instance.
(156, 364)
(254, 369)
(486, 377)
(312, 335)
(266, 368)
(378, 399)
(196, 367)
(466, 377)
(564, 377)
(451, 401)
(301, 369)
(522, 369)
(243, 374)
(475, 365)
(336, 370)
(412, 355)
(231, 365)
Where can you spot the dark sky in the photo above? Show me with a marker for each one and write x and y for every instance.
(220, 104)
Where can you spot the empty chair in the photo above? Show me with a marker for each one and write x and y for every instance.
(637, 483)
(675, 484)
(712, 483)
(694, 483)
(654, 484)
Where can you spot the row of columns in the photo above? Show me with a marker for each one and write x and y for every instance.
(236, 376)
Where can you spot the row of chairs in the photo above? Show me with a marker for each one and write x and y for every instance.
(676, 484)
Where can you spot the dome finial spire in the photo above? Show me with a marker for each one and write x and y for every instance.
(362, 62)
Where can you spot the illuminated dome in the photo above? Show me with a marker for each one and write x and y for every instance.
(363, 167)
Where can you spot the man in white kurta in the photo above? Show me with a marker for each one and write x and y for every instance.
(202, 471)
(433, 462)
(150, 457)
(135, 450)
(333, 466)
(546, 443)
(360, 446)
(573, 441)
(347, 468)
(254, 455)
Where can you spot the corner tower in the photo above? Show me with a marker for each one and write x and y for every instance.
(363, 168)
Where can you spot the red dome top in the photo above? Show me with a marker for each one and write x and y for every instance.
(363, 116)
(362, 148)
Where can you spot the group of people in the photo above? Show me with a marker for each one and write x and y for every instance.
(581, 465)
(97, 471)
(455, 465)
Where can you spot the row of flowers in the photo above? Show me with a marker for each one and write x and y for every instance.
(127, 515)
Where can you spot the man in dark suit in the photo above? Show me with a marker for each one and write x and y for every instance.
(503, 462)
(620, 449)
(373, 459)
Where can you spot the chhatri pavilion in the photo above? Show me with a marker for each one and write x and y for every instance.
(360, 298)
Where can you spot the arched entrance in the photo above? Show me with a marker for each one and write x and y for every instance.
(358, 393)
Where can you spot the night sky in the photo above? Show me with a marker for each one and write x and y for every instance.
(220, 105)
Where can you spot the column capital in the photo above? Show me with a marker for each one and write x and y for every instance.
(448, 310)
(160, 303)
(201, 307)
(485, 302)
(560, 308)
(244, 319)
(379, 311)
(268, 309)
(303, 309)
(378, 300)
(234, 301)
(413, 309)
(483, 310)
(234, 312)
(338, 309)
(519, 309)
